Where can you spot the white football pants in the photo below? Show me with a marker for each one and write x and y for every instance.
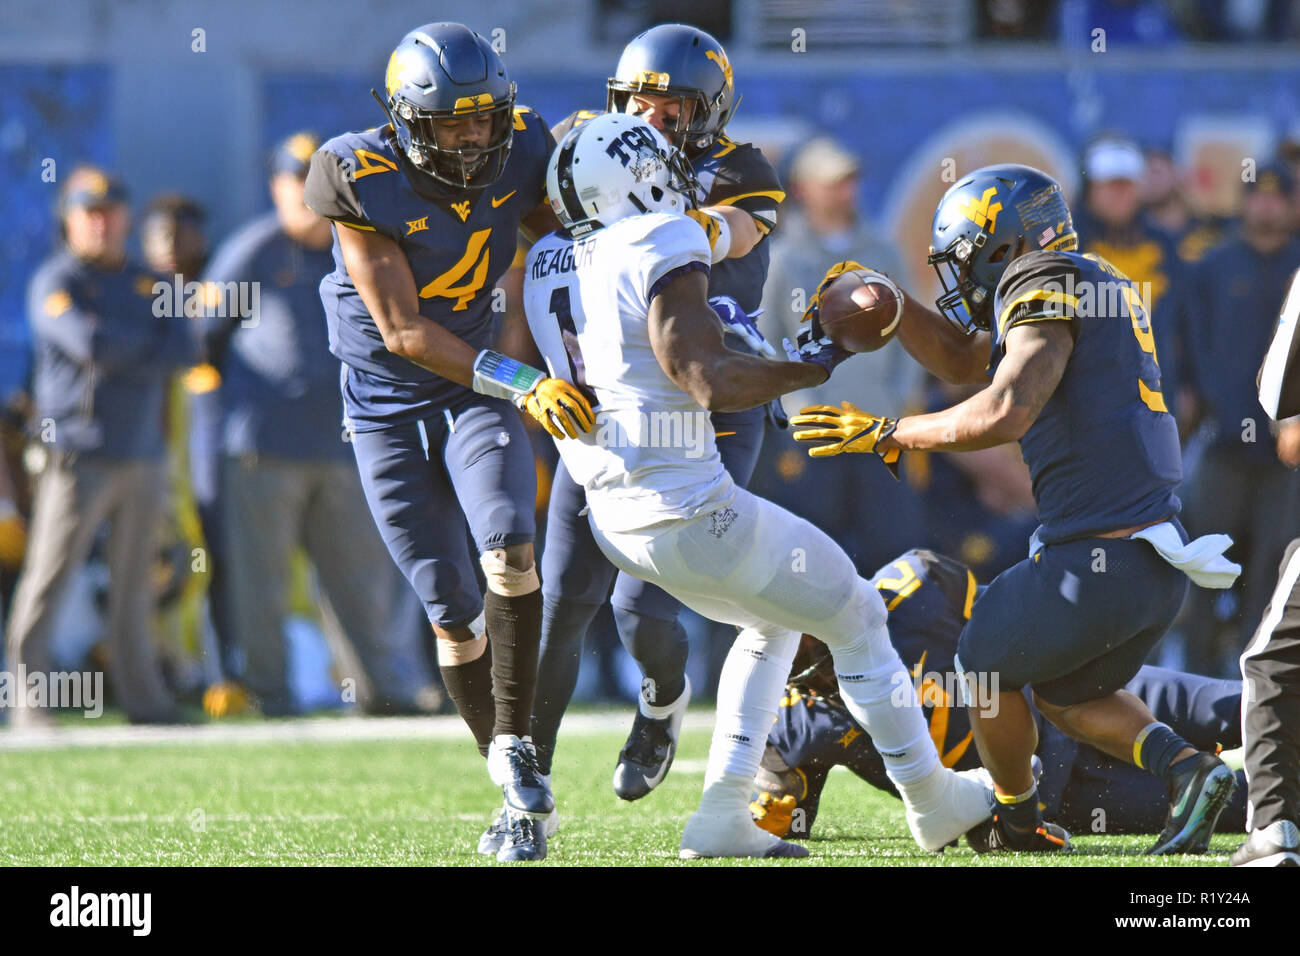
(757, 566)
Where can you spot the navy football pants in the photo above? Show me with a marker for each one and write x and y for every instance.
(425, 479)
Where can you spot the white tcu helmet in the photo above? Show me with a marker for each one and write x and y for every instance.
(613, 166)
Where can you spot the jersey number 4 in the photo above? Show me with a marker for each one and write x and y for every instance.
(475, 258)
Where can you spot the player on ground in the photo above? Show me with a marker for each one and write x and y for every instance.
(618, 303)
(426, 211)
(678, 79)
(1069, 347)
(930, 597)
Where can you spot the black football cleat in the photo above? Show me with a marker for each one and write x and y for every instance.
(512, 765)
(1199, 795)
(645, 758)
(1278, 844)
(524, 839)
(991, 837)
(490, 842)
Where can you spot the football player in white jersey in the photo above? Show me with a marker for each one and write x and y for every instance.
(617, 303)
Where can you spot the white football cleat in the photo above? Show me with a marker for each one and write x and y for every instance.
(945, 806)
(732, 835)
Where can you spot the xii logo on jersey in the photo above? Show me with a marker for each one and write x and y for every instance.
(417, 225)
(982, 213)
(462, 209)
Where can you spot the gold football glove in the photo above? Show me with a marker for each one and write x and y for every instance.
(846, 429)
(559, 408)
(226, 699)
(773, 814)
(710, 224)
(833, 273)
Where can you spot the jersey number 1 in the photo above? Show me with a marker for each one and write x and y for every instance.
(562, 309)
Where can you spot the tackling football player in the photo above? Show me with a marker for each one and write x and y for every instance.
(426, 213)
(1070, 350)
(930, 597)
(678, 79)
(618, 303)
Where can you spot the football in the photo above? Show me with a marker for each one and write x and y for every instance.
(860, 310)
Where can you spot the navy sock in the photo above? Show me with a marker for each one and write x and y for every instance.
(514, 627)
(1156, 747)
(660, 648)
(564, 628)
(470, 688)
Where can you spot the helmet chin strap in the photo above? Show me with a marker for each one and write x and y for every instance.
(384, 106)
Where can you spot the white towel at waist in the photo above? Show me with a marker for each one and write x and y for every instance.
(1201, 559)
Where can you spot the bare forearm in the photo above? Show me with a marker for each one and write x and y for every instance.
(383, 279)
(940, 348)
(981, 421)
(744, 232)
(1027, 376)
(427, 344)
(740, 381)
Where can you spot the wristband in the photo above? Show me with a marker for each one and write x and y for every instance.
(502, 377)
(721, 245)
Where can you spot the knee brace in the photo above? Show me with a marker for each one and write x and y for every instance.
(505, 580)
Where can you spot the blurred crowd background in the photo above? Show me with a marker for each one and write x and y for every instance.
(224, 534)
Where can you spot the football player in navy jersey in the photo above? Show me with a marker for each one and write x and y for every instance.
(427, 210)
(1068, 345)
(679, 80)
(930, 598)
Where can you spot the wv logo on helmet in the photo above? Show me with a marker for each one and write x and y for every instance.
(981, 213)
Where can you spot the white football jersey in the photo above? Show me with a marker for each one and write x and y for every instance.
(651, 456)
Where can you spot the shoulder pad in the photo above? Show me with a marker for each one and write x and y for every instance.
(1039, 285)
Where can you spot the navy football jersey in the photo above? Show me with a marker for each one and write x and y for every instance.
(458, 243)
(1103, 453)
(730, 174)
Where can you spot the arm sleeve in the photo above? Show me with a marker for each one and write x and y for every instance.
(748, 181)
(57, 318)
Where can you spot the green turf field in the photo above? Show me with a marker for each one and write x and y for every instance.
(405, 802)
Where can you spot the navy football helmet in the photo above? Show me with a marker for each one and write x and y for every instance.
(443, 71)
(981, 224)
(674, 59)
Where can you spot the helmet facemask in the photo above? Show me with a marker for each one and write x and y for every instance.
(693, 113)
(470, 167)
(967, 302)
(964, 303)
